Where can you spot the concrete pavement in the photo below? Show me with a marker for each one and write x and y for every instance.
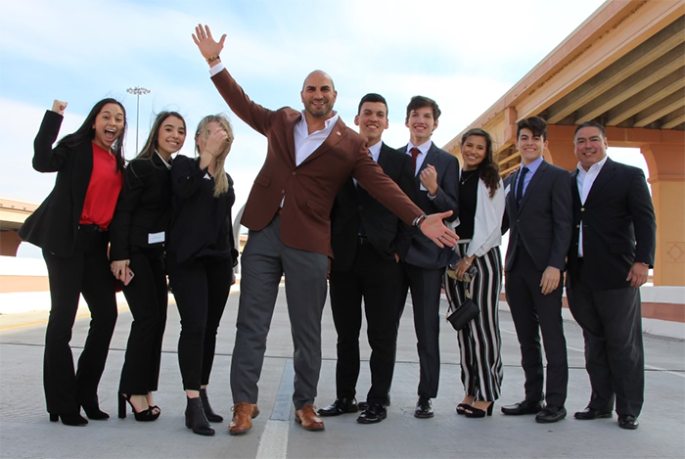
(25, 431)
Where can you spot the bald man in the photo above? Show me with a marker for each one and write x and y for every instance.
(310, 155)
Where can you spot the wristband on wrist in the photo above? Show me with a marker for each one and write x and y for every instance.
(212, 58)
(418, 221)
(466, 261)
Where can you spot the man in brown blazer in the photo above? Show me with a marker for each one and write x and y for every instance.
(310, 156)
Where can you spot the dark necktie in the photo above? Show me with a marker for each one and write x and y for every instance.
(415, 152)
(519, 187)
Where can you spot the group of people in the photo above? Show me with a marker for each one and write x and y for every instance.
(332, 206)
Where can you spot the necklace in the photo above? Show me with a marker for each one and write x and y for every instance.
(465, 178)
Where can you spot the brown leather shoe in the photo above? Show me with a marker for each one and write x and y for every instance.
(243, 413)
(308, 418)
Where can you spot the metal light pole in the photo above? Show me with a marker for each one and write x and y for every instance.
(138, 91)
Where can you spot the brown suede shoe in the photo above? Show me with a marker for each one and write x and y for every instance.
(308, 418)
(243, 413)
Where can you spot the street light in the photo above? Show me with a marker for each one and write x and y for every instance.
(138, 91)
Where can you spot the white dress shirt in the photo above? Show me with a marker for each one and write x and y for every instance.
(585, 180)
(423, 148)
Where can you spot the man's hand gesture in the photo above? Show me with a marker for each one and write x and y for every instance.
(206, 44)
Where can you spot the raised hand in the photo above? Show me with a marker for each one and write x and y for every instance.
(206, 43)
(58, 107)
(216, 142)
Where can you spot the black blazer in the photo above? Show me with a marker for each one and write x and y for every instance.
(423, 252)
(385, 231)
(143, 208)
(619, 226)
(543, 221)
(54, 225)
(201, 224)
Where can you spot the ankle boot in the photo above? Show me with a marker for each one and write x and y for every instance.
(211, 415)
(196, 419)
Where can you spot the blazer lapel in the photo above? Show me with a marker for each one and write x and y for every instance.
(511, 196)
(604, 177)
(533, 182)
(574, 188)
(290, 137)
(331, 141)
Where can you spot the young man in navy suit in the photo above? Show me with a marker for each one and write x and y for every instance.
(368, 241)
(613, 243)
(538, 207)
(436, 176)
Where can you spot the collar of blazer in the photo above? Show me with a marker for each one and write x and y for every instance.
(338, 133)
(429, 159)
(531, 185)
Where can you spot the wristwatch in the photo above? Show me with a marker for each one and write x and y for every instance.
(418, 221)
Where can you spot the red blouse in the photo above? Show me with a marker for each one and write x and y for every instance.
(103, 189)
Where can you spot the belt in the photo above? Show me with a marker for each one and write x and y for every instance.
(362, 239)
(91, 228)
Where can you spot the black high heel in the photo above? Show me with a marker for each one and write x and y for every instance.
(211, 415)
(69, 419)
(92, 409)
(196, 419)
(474, 412)
(142, 416)
(462, 407)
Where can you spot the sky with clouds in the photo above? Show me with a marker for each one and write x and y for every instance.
(463, 54)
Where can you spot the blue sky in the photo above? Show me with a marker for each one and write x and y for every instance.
(463, 54)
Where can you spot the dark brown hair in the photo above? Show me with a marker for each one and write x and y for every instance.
(488, 169)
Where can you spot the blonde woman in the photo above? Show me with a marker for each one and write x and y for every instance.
(200, 259)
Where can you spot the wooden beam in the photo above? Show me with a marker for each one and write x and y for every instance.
(639, 58)
(644, 99)
(509, 158)
(660, 109)
(639, 81)
(674, 119)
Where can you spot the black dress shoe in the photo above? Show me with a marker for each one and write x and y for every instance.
(374, 412)
(627, 421)
(550, 413)
(592, 413)
(363, 404)
(340, 406)
(524, 407)
(424, 408)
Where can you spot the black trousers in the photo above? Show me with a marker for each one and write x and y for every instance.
(378, 282)
(147, 299)
(534, 313)
(614, 353)
(85, 272)
(425, 285)
(201, 287)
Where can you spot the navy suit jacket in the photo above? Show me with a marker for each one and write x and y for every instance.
(619, 226)
(542, 222)
(423, 252)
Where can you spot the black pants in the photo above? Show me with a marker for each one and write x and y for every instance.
(378, 281)
(85, 272)
(535, 313)
(425, 284)
(147, 299)
(201, 288)
(614, 353)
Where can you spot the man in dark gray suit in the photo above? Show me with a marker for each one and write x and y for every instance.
(538, 207)
(614, 238)
(436, 177)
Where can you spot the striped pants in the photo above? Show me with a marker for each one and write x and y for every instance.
(480, 341)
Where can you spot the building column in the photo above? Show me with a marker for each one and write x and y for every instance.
(666, 164)
(9, 243)
(560, 148)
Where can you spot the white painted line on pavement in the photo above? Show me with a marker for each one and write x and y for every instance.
(274, 441)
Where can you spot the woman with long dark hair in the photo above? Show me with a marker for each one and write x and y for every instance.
(201, 255)
(138, 233)
(481, 207)
(71, 227)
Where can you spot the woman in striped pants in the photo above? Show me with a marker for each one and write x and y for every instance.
(481, 207)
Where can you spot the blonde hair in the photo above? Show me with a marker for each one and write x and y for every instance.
(220, 179)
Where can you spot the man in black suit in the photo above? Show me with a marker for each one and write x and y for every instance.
(436, 177)
(368, 241)
(538, 207)
(614, 237)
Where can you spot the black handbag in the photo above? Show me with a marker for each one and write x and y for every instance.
(468, 310)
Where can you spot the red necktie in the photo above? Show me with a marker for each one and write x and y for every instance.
(415, 152)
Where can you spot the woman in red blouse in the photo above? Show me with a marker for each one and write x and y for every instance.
(71, 227)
